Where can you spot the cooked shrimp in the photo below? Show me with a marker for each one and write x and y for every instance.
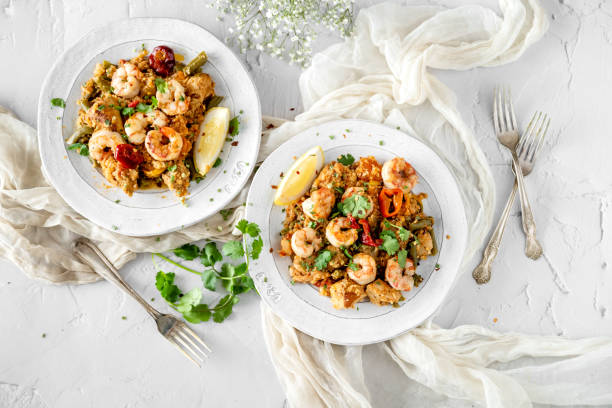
(136, 125)
(305, 242)
(157, 118)
(320, 204)
(366, 271)
(126, 80)
(136, 128)
(154, 143)
(173, 101)
(351, 191)
(339, 232)
(400, 278)
(398, 173)
(103, 143)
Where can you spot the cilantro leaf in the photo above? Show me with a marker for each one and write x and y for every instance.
(401, 258)
(390, 243)
(226, 213)
(217, 162)
(234, 126)
(346, 159)
(210, 255)
(224, 308)
(322, 259)
(164, 282)
(355, 205)
(79, 147)
(353, 266)
(403, 233)
(59, 102)
(209, 279)
(189, 300)
(249, 228)
(198, 313)
(161, 85)
(127, 111)
(256, 248)
(233, 249)
(188, 252)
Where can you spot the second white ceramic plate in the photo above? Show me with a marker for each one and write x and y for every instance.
(149, 212)
(301, 305)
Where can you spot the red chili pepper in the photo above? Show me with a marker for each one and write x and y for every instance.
(162, 60)
(353, 222)
(128, 156)
(133, 104)
(390, 201)
(366, 236)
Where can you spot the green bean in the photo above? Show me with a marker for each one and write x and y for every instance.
(196, 63)
(214, 101)
(434, 249)
(413, 253)
(426, 222)
(102, 84)
(79, 133)
(179, 66)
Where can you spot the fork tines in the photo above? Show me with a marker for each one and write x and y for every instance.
(188, 342)
(503, 111)
(533, 138)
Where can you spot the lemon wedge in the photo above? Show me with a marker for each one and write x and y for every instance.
(211, 138)
(299, 177)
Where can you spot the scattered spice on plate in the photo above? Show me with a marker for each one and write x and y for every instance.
(274, 187)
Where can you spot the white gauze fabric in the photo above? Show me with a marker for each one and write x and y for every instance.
(381, 74)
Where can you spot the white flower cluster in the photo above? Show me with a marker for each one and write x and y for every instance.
(285, 28)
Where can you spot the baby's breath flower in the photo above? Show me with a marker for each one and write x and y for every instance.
(284, 28)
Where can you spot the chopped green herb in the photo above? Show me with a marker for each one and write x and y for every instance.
(346, 159)
(123, 317)
(322, 259)
(332, 137)
(172, 168)
(234, 126)
(161, 85)
(117, 201)
(217, 162)
(401, 258)
(355, 205)
(81, 148)
(59, 102)
(353, 266)
(390, 243)
(380, 142)
(226, 213)
(404, 234)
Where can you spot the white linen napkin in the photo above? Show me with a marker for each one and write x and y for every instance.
(381, 74)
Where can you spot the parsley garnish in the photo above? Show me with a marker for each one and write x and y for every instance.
(322, 259)
(234, 126)
(355, 205)
(346, 159)
(172, 168)
(79, 147)
(226, 213)
(217, 162)
(59, 102)
(390, 243)
(353, 266)
(161, 85)
(234, 278)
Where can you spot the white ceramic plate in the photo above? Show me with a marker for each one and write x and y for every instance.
(148, 212)
(301, 305)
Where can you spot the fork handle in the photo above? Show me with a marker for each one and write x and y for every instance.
(482, 273)
(93, 256)
(533, 249)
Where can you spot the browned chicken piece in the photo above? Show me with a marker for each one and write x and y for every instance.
(316, 276)
(126, 179)
(199, 87)
(299, 274)
(102, 115)
(345, 293)
(380, 293)
(425, 245)
(177, 180)
(368, 169)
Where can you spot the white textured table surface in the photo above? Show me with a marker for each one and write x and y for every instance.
(91, 356)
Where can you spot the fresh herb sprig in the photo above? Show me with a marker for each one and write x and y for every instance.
(234, 278)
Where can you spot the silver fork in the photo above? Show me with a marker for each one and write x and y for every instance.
(507, 133)
(173, 329)
(528, 149)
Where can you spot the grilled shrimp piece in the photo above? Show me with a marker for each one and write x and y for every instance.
(351, 191)
(367, 269)
(320, 204)
(126, 80)
(400, 278)
(173, 101)
(305, 242)
(104, 143)
(339, 232)
(154, 143)
(398, 173)
(136, 125)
